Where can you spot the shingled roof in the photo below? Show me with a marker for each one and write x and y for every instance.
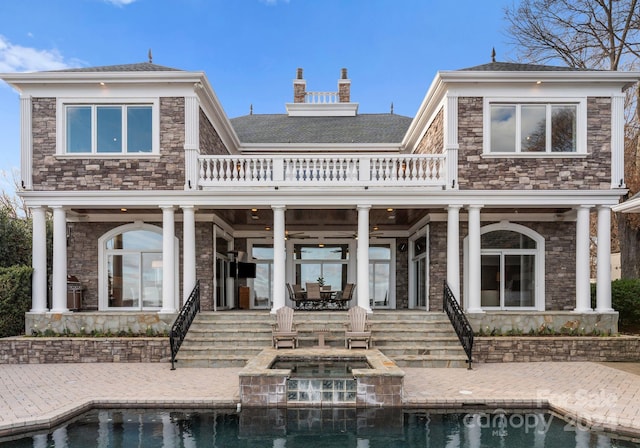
(280, 128)
(516, 67)
(140, 67)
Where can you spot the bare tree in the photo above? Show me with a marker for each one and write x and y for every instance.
(590, 34)
(9, 201)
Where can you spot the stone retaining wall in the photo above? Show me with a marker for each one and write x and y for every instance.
(533, 349)
(27, 350)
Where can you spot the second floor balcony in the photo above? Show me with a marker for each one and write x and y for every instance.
(427, 170)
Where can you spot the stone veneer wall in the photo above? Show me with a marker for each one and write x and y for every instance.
(210, 141)
(402, 275)
(511, 173)
(560, 261)
(82, 255)
(22, 350)
(433, 140)
(147, 172)
(535, 349)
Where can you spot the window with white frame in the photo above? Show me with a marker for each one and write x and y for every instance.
(534, 128)
(109, 128)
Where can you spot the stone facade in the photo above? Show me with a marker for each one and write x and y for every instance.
(21, 350)
(593, 171)
(402, 275)
(561, 349)
(147, 172)
(560, 259)
(210, 141)
(433, 140)
(82, 256)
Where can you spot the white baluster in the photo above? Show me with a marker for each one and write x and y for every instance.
(227, 169)
(414, 170)
(421, 163)
(212, 170)
(387, 169)
(202, 171)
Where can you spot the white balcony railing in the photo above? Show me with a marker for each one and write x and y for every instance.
(321, 97)
(418, 170)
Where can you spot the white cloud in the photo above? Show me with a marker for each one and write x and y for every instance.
(120, 3)
(16, 58)
(274, 2)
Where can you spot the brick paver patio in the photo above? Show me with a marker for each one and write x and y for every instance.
(40, 395)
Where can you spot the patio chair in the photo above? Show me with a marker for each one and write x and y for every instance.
(296, 295)
(314, 296)
(284, 333)
(358, 332)
(344, 297)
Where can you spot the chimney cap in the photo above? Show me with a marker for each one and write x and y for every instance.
(343, 74)
(299, 73)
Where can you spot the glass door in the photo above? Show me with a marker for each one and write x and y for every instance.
(222, 275)
(263, 283)
(379, 276)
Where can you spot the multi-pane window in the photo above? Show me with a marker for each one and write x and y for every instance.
(533, 128)
(109, 128)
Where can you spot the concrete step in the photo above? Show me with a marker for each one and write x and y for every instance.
(231, 338)
(430, 361)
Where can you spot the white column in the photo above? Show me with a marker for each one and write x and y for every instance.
(453, 249)
(473, 301)
(59, 279)
(168, 259)
(188, 251)
(617, 141)
(603, 285)
(363, 257)
(583, 287)
(451, 140)
(39, 261)
(279, 257)
(191, 142)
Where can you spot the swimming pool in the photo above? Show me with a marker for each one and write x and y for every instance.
(308, 428)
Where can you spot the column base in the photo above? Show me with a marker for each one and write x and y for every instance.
(583, 310)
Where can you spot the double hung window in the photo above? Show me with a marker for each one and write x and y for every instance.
(109, 128)
(535, 128)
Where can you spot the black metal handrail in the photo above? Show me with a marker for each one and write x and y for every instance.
(182, 323)
(459, 321)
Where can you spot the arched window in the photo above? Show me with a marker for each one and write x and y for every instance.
(512, 267)
(131, 267)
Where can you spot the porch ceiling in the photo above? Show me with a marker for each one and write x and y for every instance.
(318, 220)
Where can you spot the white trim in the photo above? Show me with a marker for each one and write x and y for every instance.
(540, 253)
(581, 125)
(322, 109)
(26, 142)
(400, 197)
(617, 141)
(61, 130)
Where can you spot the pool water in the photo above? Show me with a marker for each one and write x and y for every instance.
(309, 428)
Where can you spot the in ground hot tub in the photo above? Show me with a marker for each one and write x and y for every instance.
(336, 377)
(327, 380)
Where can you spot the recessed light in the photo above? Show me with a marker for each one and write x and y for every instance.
(123, 209)
(375, 228)
(102, 83)
(389, 209)
(254, 210)
(267, 228)
(538, 82)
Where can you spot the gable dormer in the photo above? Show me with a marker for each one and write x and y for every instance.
(322, 103)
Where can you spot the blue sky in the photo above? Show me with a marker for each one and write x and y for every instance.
(250, 49)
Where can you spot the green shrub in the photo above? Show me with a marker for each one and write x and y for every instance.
(625, 299)
(15, 299)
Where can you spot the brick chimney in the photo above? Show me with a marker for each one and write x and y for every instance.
(299, 88)
(344, 87)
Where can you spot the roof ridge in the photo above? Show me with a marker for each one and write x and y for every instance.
(135, 67)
